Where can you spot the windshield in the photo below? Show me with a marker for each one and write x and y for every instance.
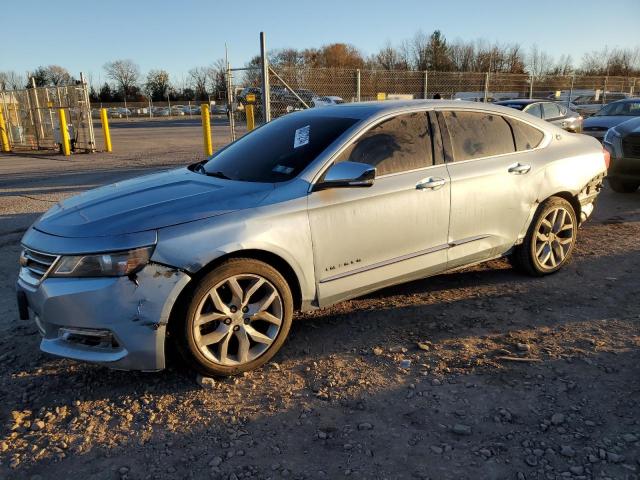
(629, 109)
(279, 150)
(517, 106)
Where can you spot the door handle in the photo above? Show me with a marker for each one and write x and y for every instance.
(430, 183)
(519, 168)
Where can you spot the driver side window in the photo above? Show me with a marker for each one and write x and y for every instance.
(396, 145)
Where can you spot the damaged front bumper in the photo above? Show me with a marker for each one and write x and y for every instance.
(116, 321)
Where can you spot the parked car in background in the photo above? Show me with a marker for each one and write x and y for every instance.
(118, 112)
(623, 143)
(218, 109)
(552, 112)
(588, 105)
(308, 210)
(326, 101)
(611, 115)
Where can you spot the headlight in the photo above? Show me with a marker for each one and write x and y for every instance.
(115, 264)
(611, 135)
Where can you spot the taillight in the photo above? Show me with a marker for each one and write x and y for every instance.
(607, 157)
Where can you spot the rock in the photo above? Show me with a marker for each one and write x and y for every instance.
(614, 457)
(215, 461)
(523, 347)
(206, 382)
(123, 470)
(365, 426)
(322, 435)
(629, 437)
(377, 351)
(557, 418)
(424, 346)
(521, 476)
(435, 382)
(567, 451)
(576, 470)
(405, 363)
(37, 425)
(460, 429)
(485, 452)
(538, 452)
(593, 458)
(436, 449)
(531, 460)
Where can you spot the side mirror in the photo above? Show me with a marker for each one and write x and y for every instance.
(347, 174)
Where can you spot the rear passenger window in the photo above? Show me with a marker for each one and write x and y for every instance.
(526, 136)
(400, 144)
(550, 110)
(478, 134)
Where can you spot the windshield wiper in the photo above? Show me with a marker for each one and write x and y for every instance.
(217, 175)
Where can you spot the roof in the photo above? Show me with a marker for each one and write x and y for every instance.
(524, 101)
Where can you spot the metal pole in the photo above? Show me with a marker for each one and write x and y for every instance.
(633, 86)
(37, 117)
(206, 130)
(604, 92)
(105, 129)
(531, 85)
(64, 133)
(286, 85)
(266, 90)
(573, 77)
(126, 111)
(358, 85)
(92, 138)
(230, 112)
(486, 86)
(425, 93)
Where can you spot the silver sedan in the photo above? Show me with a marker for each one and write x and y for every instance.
(311, 209)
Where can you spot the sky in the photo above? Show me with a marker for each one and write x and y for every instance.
(180, 34)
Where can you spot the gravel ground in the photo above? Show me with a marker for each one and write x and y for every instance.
(482, 373)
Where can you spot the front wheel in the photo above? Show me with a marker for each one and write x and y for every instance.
(550, 240)
(237, 318)
(622, 187)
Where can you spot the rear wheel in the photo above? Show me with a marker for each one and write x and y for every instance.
(550, 240)
(623, 187)
(237, 318)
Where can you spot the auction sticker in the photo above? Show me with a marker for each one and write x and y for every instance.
(301, 137)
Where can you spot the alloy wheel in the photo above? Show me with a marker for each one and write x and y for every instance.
(554, 238)
(238, 319)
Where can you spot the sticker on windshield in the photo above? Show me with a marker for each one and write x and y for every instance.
(301, 137)
(282, 169)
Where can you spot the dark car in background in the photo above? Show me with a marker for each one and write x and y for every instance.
(552, 112)
(610, 116)
(623, 144)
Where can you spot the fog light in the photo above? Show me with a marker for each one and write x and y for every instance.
(88, 337)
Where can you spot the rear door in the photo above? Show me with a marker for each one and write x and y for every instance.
(393, 231)
(494, 179)
(552, 113)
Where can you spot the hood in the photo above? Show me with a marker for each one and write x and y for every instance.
(605, 121)
(149, 202)
(630, 126)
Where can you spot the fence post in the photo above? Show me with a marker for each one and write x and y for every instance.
(531, 85)
(4, 139)
(206, 130)
(604, 91)
(64, 133)
(573, 77)
(425, 90)
(633, 86)
(105, 129)
(358, 85)
(37, 117)
(486, 86)
(266, 90)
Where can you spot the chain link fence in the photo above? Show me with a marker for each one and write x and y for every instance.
(31, 117)
(298, 88)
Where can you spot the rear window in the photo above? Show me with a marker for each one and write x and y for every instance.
(478, 134)
(517, 106)
(279, 150)
(526, 136)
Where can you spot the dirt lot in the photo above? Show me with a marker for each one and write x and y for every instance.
(410, 382)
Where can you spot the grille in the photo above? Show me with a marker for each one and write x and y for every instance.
(631, 146)
(35, 265)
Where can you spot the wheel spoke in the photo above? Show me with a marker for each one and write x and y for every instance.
(546, 255)
(554, 218)
(224, 349)
(266, 301)
(253, 288)
(562, 219)
(267, 317)
(243, 345)
(256, 336)
(568, 226)
(217, 301)
(552, 256)
(208, 317)
(236, 291)
(213, 337)
(547, 224)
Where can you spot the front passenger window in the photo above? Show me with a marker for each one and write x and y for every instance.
(399, 144)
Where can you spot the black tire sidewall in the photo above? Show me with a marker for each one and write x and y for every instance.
(227, 269)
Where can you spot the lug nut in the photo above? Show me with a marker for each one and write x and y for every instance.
(227, 321)
(247, 321)
(233, 309)
(236, 328)
(245, 309)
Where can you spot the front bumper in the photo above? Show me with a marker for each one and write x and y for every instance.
(623, 168)
(116, 321)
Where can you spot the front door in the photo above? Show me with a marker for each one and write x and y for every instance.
(365, 238)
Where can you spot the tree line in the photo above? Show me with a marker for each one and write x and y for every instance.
(423, 51)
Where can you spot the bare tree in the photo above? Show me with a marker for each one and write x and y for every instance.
(389, 58)
(125, 73)
(58, 75)
(539, 63)
(157, 84)
(11, 80)
(199, 77)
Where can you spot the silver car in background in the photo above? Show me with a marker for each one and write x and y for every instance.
(308, 210)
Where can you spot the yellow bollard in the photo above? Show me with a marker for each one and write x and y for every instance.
(206, 130)
(251, 122)
(4, 138)
(64, 133)
(105, 129)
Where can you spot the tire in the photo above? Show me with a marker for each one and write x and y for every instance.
(243, 333)
(623, 187)
(550, 240)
